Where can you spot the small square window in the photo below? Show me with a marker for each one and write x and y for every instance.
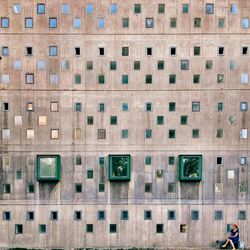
(173, 22)
(16, 8)
(197, 51)
(78, 107)
(171, 106)
(101, 161)
(171, 160)
(113, 120)
(113, 8)
(101, 215)
(125, 106)
(137, 65)
(220, 106)
(137, 8)
(219, 160)
(112, 228)
(54, 107)
(245, 23)
(184, 64)
(195, 133)
(243, 133)
(5, 22)
(148, 79)
(89, 9)
(6, 215)
(194, 215)
(148, 133)
(218, 215)
(101, 107)
(65, 8)
(149, 22)
(89, 65)
(101, 187)
(209, 8)
(244, 50)
(53, 215)
(30, 188)
(5, 133)
(244, 78)
(77, 23)
(18, 120)
(5, 106)
(209, 64)
(243, 160)
(89, 228)
(159, 228)
(171, 187)
(172, 79)
(148, 160)
(101, 133)
(5, 51)
(42, 120)
(78, 79)
(124, 215)
(125, 22)
(112, 65)
(54, 133)
(171, 215)
(219, 133)
(197, 22)
(234, 8)
(77, 215)
(221, 23)
(42, 228)
(148, 188)
(17, 65)
(160, 120)
(53, 50)
(30, 215)
(160, 65)
(78, 187)
(101, 51)
(65, 64)
(183, 228)
(230, 174)
(30, 106)
(149, 107)
(161, 8)
(90, 174)
(147, 215)
(232, 64)
(221, 51)
(5, 78)
(53, 22)
(90, 120)
(18, 174)
(78, 160)
(30, 134)
(6, 188)
(125, 51)
(171, 133)
(196, 79)
(149, 51)
(220, 78)
(172, 51)
(40, 8)
(29, 78)
(77, 51)
(101, 23)
(185, 8)
(18, 229)
(41, 64)
(195, 106)
(124, 133)
(242, 215)
(101, 79)
(124, 79)
(184, 119)
(243, 106)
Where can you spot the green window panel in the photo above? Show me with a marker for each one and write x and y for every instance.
(48, 167)
(119, 167)
(113, 65)
(190, 167)
(161, 8)
(101, 79)
(137, 8)
(124, 79)
(184, 119)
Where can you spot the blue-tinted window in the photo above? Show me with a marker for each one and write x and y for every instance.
(5, 22)
(40, 8)
(89, 8)
(28, 22)
(53, 22)
(194, 215)
(77, 23)
(53, 50)
(101, 215)
(101, 23)
(113, 8)
(65, 8)
(124, 106)
(78, 107)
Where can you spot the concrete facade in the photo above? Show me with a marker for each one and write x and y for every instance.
(50, 105)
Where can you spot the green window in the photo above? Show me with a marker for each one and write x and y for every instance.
(148, 79)
(197, 51)
(101, 187)
(161, 8)
(148, 133)
(148, 160)
(119, 167)
(148, 106)
(172, 79)
(124, 133)
(124, 106)
(19, 174)
(219, 133)
(184, 120)
(171, 160)
(48, 167)
(101, 161)
(124, 79)
(78, 187)
(171, 106)
(78, 79)
(221, 23)
(173, 22)
(89, 65)
(171, 133)
(137, 65)
(220, 106)
(113, 120)
(90, 120)
(42, 229)
(160, 65)
(184, 64)
(101, 79)
(209, 64)
(185, 8)
(90, 174)
(137, 8)
(197, 22)
(196, 78)
(125, 22)
(190, 167)
(195, 133)
(125, 51)
(160, 120)
(112, 65)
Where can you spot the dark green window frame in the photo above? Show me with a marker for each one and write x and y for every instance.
(171, 106)
(124, 79)
(48, 172)
(119, 167)
(185, 8)
(90, 174)
(89, 65)
(113, 65)
(173, 22)
(184, 119)
(171, 134)
(196, 78)
(190, 167)
(101, 79)
(148, 160)
(160, 120)
(148, 79)
(160, 65)
(137, 65)
(195, 133)
(171, 160)
(161, 8)
(125, 22)
(113, 120)
(137, 8)
(172, 79)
